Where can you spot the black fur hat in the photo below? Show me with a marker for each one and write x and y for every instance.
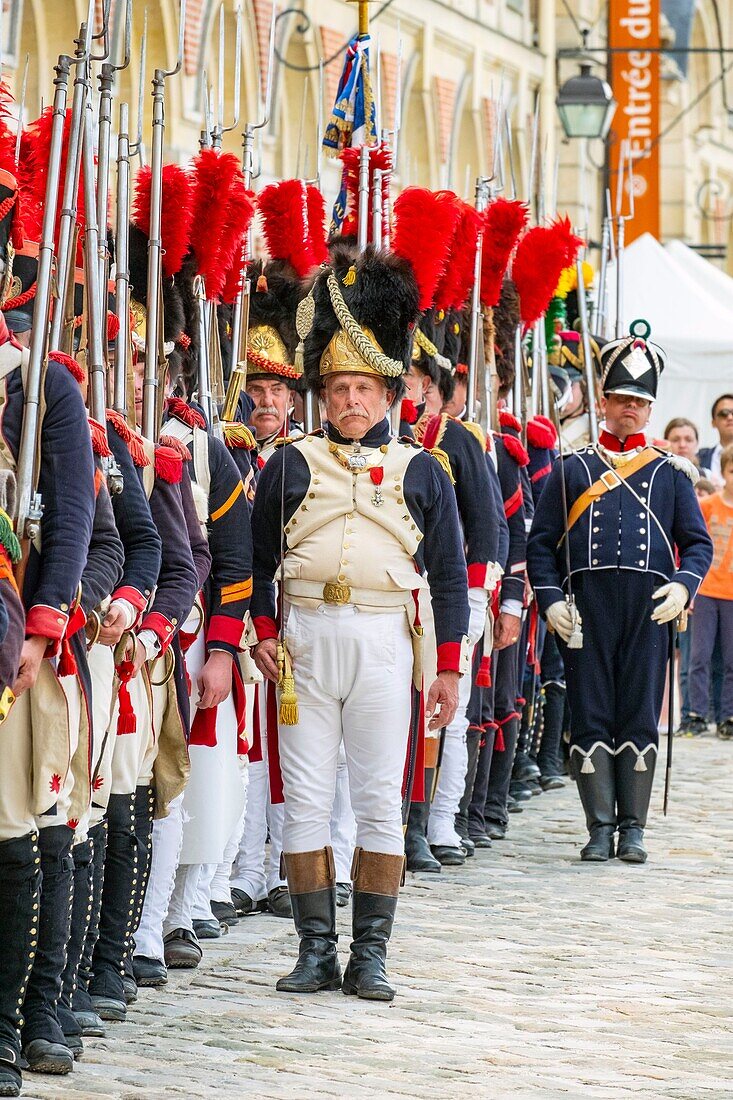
(275, 294)
(506, 319)
(380, 292)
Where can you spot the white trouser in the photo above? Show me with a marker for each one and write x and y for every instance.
(167, 839)
(219, 889)
(343, 822)
(201, 907)
(452, 776)
(353, 673)
(183, 898)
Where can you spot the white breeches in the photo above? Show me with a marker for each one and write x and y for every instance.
(452, 776)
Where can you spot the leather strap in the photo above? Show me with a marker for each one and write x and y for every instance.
(611, 479)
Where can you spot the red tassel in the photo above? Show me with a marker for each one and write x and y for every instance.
(75, 370)
(177, 407)
(67, 661)
(126, 719)
(168, 465)
(499, 745)
(100, 446)
(483, 676)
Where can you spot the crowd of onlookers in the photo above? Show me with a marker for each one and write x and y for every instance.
(706, 647)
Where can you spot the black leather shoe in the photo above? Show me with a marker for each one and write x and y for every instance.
(495, 830)
(468, 847)
(520, 792)
(343, 894)
(524, 768)
(244, 906)
(448, 856)
(91, 1024)
(208, 929)
(182, 950)
(599, 848)
(481, 840)
(224, 911)
(130, 987)
(631, 845)
(10, 1080)
(551, 782)
(75, 1045)
(110, 1008)
(513, 807)
(150, 973)
(44, 1057)
(278, 902)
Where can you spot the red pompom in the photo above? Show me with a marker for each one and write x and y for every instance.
(113, 326)
(286, 226)
(457, 279)
(504, 220)
(425, 223)
(177, 407)
(509, 420)
(541, 432)
(75, 369)
(176, 445)
(408, 411)
(100, 446)
(515, 449)
(542, 255)
(168, 465)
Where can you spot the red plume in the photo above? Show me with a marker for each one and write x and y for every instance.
(7, 135)
(176, 213)
(223, 210)
(380, 157)
(504, 220)
(33, 174)
(541, 255)
(285, 223)
(458, 276)
(425, 223)
(317, 225)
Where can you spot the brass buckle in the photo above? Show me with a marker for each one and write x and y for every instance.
(336, 593)
(610, 479)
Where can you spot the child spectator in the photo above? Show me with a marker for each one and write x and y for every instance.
(713, 611)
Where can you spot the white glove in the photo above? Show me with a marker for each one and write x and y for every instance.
(675, 600)
(559, 617)
(478, 603)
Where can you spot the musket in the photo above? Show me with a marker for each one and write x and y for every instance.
(363, 230)
(598, 310)
(137, 149)
(621, 220)
(106, 81)
(240, 309)
(153, 331)
(30, 505)
(21, 108)
(519, 393)
(122, 263)
(476, 319)
(220, 129)
(590, 374)
(95, 288)
(67, 221)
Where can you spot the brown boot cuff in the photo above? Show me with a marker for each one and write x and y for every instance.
(377, 873)
(307, 872)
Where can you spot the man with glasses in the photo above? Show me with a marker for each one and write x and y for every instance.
(722, 421)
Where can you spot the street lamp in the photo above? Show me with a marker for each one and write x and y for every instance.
(586, 105)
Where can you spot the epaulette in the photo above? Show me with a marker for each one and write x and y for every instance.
(541, 432)
(515, 449)
(177, 407)
(75, 369)
(689, 469)
(176, 445)
(476, 430)
(239, 436)
(168, 464)
(509, 420)
(408, 441)
(134, 443)
(284, 440)
(100, 446)
(8, 538)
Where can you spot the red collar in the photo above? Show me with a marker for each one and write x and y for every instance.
(612, 443)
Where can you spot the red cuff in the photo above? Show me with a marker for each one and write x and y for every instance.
(265, 627)
(224, 629)
(77, 622)
(449, 657)
(46, 621)
(162, 628)
(132, 595)
(477, 571)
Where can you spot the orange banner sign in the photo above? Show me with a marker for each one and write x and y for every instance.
(633, 28)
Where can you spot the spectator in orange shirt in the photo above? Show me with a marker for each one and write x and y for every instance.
(713, 610)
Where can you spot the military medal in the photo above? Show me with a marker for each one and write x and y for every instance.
(377, 475)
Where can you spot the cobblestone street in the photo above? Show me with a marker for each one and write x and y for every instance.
(525, 973)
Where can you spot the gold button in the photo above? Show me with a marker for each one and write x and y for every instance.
(347, 546)
(61, 621)
(64, 607)
(311, 495)
(400, 500)
(342, 576)
(175, 622)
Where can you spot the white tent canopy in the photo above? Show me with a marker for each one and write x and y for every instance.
(689, 305)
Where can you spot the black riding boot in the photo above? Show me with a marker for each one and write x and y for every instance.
(144, 809)
(82, 854)
(597, 789)
(312, 884)
(417, 849)
(81, 1002)
(115, 920)
(377, 880)
(548, 758)
(477, 804)
(473, 741)
(21, 879)
(634, 779)
(44, 1045)
(500, 776)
